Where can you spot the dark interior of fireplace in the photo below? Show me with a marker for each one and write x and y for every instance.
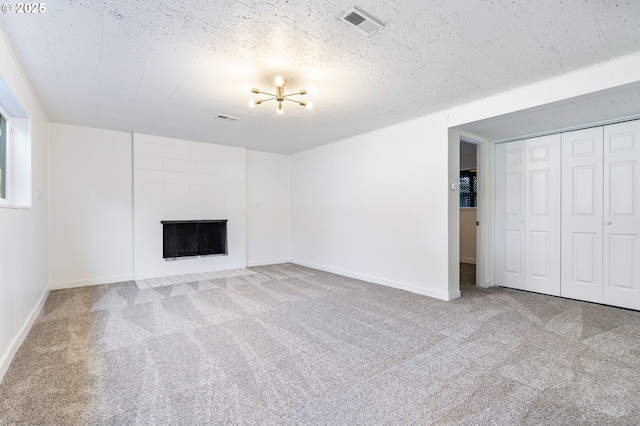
(182, 238)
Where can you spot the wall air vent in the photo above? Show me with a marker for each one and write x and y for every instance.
(362, 20)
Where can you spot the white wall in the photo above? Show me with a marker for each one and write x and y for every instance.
(373, 207)
(23, 232)
(92, 203)
(378, 206)
(268, 209)
(176, 179)
(91, 206)
(468, 238)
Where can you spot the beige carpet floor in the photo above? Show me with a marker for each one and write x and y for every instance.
(291, 345)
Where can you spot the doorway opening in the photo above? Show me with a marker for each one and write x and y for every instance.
(470, 193)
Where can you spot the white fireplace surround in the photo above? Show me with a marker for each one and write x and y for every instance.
(184, 180)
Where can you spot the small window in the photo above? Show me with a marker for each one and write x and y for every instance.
(15, 151)
(468, 188)
(3, 157)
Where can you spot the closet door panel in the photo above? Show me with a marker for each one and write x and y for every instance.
(582, 215)
(510, 212)
(622, 215)
(542, 220)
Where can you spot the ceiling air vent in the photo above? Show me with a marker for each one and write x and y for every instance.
(362, 20)
(228, 117)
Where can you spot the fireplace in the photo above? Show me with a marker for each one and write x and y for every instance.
(182, 238)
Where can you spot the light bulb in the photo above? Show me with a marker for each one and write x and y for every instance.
(309, 105)
(252, 103)
(279, 81)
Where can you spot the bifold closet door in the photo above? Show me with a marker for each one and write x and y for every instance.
(542, 220)
(622, 215)
(582, 208)
(527, 241)
(510, 214)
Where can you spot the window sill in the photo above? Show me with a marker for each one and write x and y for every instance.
(13, 206)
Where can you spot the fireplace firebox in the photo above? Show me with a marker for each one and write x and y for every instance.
(182, 238)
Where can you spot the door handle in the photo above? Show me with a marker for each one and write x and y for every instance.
(521, 220)
(608, 222)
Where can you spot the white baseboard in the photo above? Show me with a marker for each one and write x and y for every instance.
(467, 260)
(6, 359)
(382, 281)
(488, 283)
(267, 262)
(91, 281)
(454, 295)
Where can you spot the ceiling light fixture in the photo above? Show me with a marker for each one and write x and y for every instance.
(279, 96)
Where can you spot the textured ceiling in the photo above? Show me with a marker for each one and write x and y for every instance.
(170, 67)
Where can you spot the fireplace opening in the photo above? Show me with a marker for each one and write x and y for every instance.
(181, 238)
